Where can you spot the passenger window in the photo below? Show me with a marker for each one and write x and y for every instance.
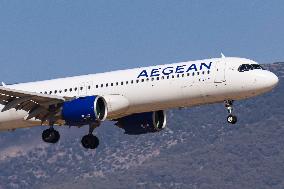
(116, 83)
(162, 77)
(142, 80)
(75, 89)
(122, 83)
(137, 81)
(81, 88)
(152, 79)
(168, 77)
(107, 85)
(173, 76)
(111, 84)
(132, 81)
(126, 82)
(55, 91)
(89, 87)
(65, 90)
(208, 72)
(70, 89)
(203, 72)
(158, 78)
(193, 73)
(97, 86)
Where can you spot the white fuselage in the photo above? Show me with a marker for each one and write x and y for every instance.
(153, 88)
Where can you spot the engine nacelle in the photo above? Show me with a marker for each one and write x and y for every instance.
(148, 122)
(117, 105)
(84, 110)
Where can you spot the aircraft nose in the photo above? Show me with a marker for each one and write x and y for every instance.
(267, 80)
(273, 80)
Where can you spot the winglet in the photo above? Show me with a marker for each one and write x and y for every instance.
(3, 84)
(222, 55)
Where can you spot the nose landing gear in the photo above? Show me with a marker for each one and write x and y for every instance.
(232, 119)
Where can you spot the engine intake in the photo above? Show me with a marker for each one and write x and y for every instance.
(148, 122)
(84, 110)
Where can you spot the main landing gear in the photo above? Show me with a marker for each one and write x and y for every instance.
(50, 135)
(91, 141)
(88, 141)
(232, 119)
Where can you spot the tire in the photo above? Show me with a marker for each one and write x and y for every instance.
(50, 136)
(45, 135)
(94, 142)
(232, 119)
(85, 142)
(56, 136)
(90, 141)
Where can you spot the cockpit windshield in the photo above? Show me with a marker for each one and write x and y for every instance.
(257, 66)
(247, 67)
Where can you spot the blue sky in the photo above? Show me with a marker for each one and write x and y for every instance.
(47, 39)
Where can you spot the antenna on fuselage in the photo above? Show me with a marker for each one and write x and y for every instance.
(222, 55)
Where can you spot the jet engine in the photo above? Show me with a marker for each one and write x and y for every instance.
(84, 110)
(141, 123)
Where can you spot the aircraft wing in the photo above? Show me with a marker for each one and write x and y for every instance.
(38, 105)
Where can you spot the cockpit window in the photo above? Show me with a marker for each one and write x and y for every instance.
(247, 67)
(257, 66)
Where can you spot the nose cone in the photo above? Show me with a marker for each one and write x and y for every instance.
(273, 80)
(266, 80)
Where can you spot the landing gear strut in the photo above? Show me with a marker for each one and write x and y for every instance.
(91, 141)
(232, 119)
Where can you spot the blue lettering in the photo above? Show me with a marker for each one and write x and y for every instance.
(155, 72)
(180, 69)
(205, 65)
(192, 67)
(170, 70)
(143, 73)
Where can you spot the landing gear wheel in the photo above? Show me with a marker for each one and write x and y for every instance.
(90, 141)
(232, 119)
(50, 136)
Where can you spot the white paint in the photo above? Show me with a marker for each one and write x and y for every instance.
(223, 82)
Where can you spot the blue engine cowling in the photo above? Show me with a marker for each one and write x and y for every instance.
(84, 110)
(148, 122)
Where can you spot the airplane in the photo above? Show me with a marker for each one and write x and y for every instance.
(136, 99)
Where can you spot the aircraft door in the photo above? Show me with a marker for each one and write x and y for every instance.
(220, 71)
